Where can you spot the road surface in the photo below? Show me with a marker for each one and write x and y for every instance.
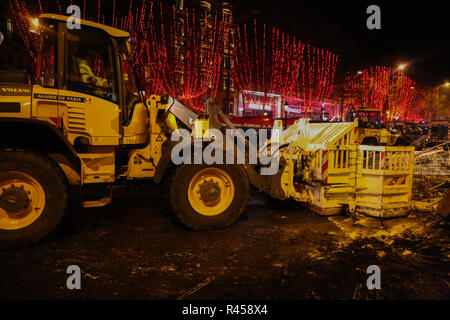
(132, 250)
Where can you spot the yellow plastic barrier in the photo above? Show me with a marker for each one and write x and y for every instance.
(384, 179)
(332, 180)
(336, 172)
(375, 181)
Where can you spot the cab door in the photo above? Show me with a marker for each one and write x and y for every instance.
(89, 94)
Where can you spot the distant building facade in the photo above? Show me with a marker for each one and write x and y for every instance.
(225, 95)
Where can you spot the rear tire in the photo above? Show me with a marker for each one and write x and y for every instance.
(33, 197)
(401, 141)
(205, 197)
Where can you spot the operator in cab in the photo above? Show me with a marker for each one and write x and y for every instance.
(86, 74)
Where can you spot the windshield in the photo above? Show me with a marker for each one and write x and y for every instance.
(130, 85)
(369, 116)
(90, 64)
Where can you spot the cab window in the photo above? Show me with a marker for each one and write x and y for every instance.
(47, 57)
(90, 63)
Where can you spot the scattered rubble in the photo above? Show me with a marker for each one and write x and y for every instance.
(428, 191)
(431, 178)
(434, 161)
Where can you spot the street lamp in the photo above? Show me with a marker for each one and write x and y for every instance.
(395, 76)
(35, 22)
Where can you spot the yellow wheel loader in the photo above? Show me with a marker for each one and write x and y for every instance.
(84, 126)
(371, 131)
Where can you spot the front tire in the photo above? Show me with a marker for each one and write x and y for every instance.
(401, 141)
(33, 196)
(207, 197)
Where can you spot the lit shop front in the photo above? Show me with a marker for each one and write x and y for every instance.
(294, 107)
(255, 103)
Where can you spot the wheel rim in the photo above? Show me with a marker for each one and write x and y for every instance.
(211, 191)
(22, 200)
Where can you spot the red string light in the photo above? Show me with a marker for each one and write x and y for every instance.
(267, 62)
(390, 91)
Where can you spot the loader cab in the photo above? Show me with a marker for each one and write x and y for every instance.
(90, 71)
(367, 118)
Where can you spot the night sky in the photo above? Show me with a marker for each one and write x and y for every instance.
(417, 33)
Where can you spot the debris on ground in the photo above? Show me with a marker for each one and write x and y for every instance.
(431, 178)
(428, 191)
(434, 161)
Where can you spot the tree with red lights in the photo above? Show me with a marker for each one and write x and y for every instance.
(275, 62)
(368, 88)
(266, 61)
(391, 91)
(316, 76)
(185, 51)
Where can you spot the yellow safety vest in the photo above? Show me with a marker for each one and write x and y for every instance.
(86, 73)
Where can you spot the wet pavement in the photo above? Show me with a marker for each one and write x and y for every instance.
(132, 250)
